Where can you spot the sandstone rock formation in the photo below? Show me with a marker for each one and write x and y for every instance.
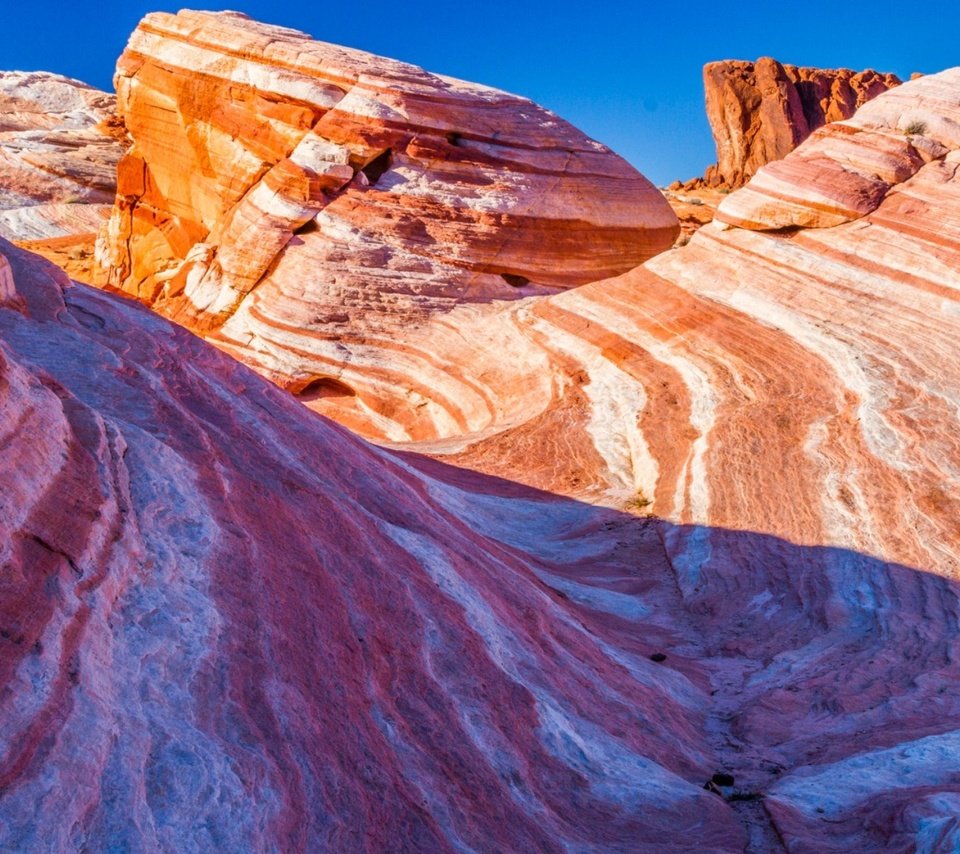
(59, 149)
(228, 624)
(694, 204)
(795, 384)
(731, 622)
(847, 169)
(759, 112)
(397, 192)
(60, 143)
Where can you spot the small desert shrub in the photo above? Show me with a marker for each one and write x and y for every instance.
(915, 129)
(638, 503)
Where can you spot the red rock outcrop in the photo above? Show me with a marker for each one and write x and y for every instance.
(260, 154)
(254, 631)
(250, 629)
(761, 111)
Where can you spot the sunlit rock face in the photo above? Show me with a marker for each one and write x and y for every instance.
(227, 623)
(847, 169)
(800, 382)
(59, 147)
(760, 111)
(301, 202)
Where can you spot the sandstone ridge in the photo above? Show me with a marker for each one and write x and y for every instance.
(691, 581)
(229, 624)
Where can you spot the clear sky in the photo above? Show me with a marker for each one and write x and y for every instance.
(626, 73)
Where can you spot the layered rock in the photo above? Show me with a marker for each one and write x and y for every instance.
(59, 147)
(255, 631)
(768, 385)
(761, 111)
(60, 143)
(227, 623)
(260, 155)
(847, 169)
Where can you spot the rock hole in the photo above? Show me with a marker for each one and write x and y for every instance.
(658, 657)
(515, 281)
(376, 167)
(722, 779)
(308, 227)
(322, 387)
(454, 138)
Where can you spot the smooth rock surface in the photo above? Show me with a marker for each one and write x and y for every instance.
(249, 629)
(226, 623)
(260, 155)
(762, 388)
(760, 111)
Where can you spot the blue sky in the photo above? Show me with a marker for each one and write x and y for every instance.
(626, 73)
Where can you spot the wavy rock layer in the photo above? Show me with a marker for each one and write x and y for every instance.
(260, 155)
(226, 623)
(848, 168)
(59, 149)
(759, 112)
(799, 383)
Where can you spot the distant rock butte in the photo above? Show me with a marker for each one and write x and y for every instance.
(760, 111)
(296, 184)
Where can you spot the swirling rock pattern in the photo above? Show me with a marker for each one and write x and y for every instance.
(792, 383)
(259, 153)
(59, 147)
(760, 111)
(227, 623)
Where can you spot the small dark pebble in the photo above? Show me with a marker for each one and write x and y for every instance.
(658, 656)
(722, 779)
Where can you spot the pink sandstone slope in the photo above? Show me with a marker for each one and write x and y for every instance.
(799, 382)
(227, 623)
